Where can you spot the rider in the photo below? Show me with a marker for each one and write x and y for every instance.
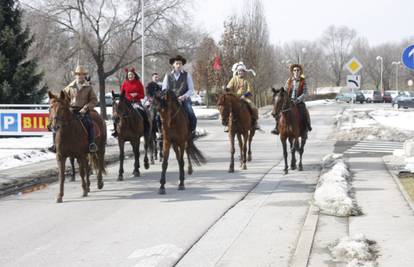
(134, 93)
(241, 87)
(297, 91)
(82, 100)
(181, 83)
(154, 87)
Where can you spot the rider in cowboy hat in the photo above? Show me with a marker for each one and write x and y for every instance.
(181, 83)
(82, 100)
(297, 91)
(241, 87)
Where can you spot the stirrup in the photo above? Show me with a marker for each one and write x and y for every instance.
(114, 134)
(93, 148)
(275, 132)
(52, 148)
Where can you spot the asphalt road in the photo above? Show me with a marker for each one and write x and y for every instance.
(129, 224)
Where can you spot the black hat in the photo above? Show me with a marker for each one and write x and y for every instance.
(178, 58)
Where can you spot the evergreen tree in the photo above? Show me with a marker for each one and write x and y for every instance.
(19, 80)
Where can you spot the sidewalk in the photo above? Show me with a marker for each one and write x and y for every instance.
(388, 219)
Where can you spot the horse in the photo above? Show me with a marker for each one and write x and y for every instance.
(155, 145)
(291, 127)
(176, 133)
(72, 141)
(235, 113)
(130, 128)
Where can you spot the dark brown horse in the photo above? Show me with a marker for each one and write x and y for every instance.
(235, 113)
(176, 133)
(72, 141)
(291, 127)
(130, 128)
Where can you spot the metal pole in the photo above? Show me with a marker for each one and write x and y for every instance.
(382, 85)
(142, 44)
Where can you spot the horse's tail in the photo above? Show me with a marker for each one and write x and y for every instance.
(195, 154)
(94, 162)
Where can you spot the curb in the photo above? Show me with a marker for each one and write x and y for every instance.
(399, 185)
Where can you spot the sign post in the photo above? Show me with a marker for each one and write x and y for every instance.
(353, 81)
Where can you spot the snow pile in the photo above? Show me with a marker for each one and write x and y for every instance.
(395, 118)
(333, 194)
(358, 124)
(22, 158)
(355, 251)
(202, 112)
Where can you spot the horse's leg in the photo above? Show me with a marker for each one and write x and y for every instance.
(61, 164)
(244, 152)
(146, 145)
(121, 144)
(293, 150)
(161, 147)
(82, 171)
(301, 149)
(240, 140)
(88, 173)
(135, 148)
(179, 153)
(285, 153)
(249, 153)
(190, 165)
(232, 150)
(154, 140)
(166, 152)
(101, 161)
(72, 164)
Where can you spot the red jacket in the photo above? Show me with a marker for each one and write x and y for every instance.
(134, 90)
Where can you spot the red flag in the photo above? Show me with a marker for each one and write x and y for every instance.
(217, 63)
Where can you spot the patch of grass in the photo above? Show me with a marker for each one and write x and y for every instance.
(407, 180)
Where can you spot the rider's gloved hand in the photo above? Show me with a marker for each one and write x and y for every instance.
(182, 98)
(247, 94)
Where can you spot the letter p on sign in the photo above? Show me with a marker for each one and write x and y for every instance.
(8, 122)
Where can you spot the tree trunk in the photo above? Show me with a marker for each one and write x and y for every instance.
(101, 79)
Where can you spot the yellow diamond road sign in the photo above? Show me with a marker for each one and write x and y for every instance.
(353, 66)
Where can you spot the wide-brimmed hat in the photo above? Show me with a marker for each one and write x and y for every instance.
(296, 66)
(80, 70)
(178, 58)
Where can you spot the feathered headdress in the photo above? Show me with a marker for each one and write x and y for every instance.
(240, 66)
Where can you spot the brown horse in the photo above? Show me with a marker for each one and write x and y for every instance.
(235, 113)
(176, 133)
(130, 127)
(291, 127)
(72, 141)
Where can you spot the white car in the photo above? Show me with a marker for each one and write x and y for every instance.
(197, 99)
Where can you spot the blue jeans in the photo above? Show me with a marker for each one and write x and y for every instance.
(188, 108)
(87, 121)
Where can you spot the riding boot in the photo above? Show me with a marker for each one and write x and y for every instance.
(115, 133)
(87, 120)
(276, 129)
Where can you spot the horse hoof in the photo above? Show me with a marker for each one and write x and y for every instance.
(100, 184)
(72, 179)
(85, 194)
(136, 174)
(249, 158)
(161, 191)
(146, 165)
(231, 170)
(244, 167)
(190, 171)
(286, 171)
(300, 168)
(181, 187)
(120, 178)
(59, 200)
(293, 167)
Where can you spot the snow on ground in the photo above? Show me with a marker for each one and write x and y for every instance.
(366, 124)
(333, 194)
(320, 102)
(356, 251)
(202, 112)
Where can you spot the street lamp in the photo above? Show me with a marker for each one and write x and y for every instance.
(397, 65)
(381, 70)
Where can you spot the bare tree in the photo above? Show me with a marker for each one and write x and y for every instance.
(109, 31)
(337, 42)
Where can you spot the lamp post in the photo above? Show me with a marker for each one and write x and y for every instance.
(142, 43)
(397, 65)
(381, 70)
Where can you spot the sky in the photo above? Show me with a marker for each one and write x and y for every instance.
(379, 21)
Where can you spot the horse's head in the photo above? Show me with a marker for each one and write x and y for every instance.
(279, 99)
(59, 110)
(121, 107)
(224, 106)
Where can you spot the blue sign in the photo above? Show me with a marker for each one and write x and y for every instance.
(408, 57)
(8, 122)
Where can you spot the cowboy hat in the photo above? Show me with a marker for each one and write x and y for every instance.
(80, 70)
(178, 58)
